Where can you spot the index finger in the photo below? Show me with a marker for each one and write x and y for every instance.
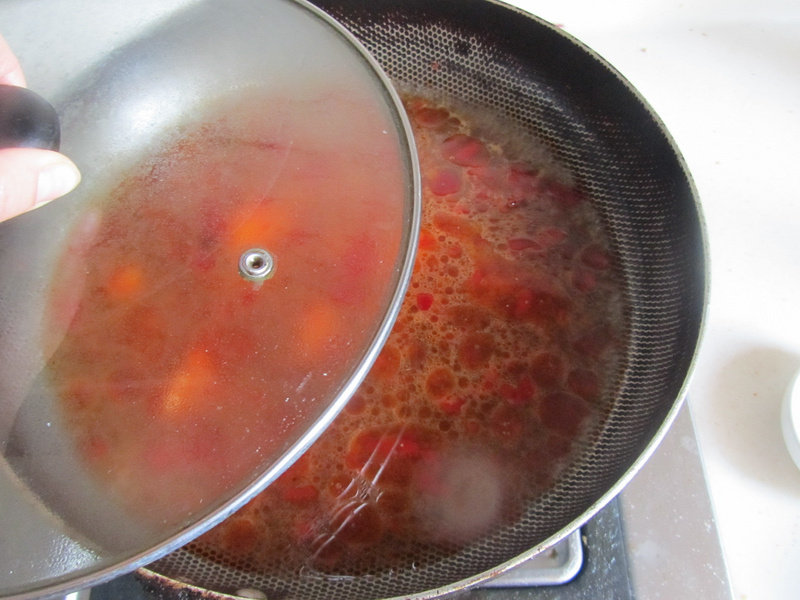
(10, 69)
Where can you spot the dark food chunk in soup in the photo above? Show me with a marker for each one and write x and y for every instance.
(498, 368)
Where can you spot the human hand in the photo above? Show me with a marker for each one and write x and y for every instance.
(29, 177)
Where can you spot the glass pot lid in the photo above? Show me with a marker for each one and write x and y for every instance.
(182, 326)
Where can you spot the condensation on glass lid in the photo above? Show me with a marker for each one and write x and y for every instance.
(149, 375)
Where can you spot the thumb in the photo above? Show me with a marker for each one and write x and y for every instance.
(30, 177)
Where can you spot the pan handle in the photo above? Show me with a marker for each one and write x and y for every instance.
(27, 120)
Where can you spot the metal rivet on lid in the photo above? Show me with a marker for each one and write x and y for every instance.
(256, 264)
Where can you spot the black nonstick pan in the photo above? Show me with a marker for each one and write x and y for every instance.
(485, 53)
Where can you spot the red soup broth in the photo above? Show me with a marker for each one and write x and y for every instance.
(501, 362)
(178, 378)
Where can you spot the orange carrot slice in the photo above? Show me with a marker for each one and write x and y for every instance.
(318, 328)
(190, 385)
(260, 225)
(126, 282)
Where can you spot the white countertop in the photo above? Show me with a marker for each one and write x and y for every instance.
(724, 76)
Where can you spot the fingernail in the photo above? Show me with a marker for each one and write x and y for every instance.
(56, 180)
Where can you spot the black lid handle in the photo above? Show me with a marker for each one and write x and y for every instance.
(27, 120)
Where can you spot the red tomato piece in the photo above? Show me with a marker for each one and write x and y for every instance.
(519, 394)
(490, 177)
(508, 391)
(458, 227)
(387, 363)
(465, 150)
(520, 244)
(424, 301)
(408, 444)
(455, 251)
(550, 236)
(427, 241)
(596, 257)
(445, 182)
(451, 405)
(563, 195)
(431, 117)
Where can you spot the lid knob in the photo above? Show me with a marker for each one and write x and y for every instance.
(256, 264)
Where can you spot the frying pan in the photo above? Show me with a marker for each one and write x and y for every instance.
(485, 53)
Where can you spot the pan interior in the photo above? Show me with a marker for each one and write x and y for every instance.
(485, 54)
